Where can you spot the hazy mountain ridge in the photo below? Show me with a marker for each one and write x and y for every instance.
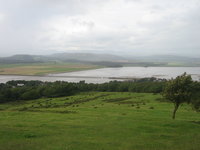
(104, 59)
(87, 57)
(167, 58)
(18, 59)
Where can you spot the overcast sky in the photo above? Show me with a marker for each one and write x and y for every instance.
(137, 27)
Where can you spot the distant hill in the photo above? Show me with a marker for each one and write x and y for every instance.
(166, 58)
(108, 60)
(18, 59)
(66, 57)
(89, 57)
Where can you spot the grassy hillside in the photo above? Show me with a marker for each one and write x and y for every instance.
(98, 121)
(43, 68)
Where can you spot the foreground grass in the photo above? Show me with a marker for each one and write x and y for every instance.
(98, 121)
(42, 68)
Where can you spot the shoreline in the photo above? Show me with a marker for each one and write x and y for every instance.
(93, 77)
(107, 74)
(100, 67)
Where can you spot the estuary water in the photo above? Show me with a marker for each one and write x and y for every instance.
(108, 74)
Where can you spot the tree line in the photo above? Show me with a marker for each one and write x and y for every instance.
(29, 90)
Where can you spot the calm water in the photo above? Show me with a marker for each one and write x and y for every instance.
(107, 74)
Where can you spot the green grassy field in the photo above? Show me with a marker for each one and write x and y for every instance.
(43, 68)
(98, 121)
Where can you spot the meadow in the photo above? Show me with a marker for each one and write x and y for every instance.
(98, 121)
(42, 68)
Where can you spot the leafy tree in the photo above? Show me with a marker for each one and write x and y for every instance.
(32, 94)
(178, 91)
(196, 96)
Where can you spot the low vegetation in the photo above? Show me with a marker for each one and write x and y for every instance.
(98, 120)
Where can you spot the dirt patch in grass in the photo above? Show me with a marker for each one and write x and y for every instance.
(113, 100)
(132, 102)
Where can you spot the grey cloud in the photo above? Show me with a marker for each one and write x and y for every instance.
(126, 26)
